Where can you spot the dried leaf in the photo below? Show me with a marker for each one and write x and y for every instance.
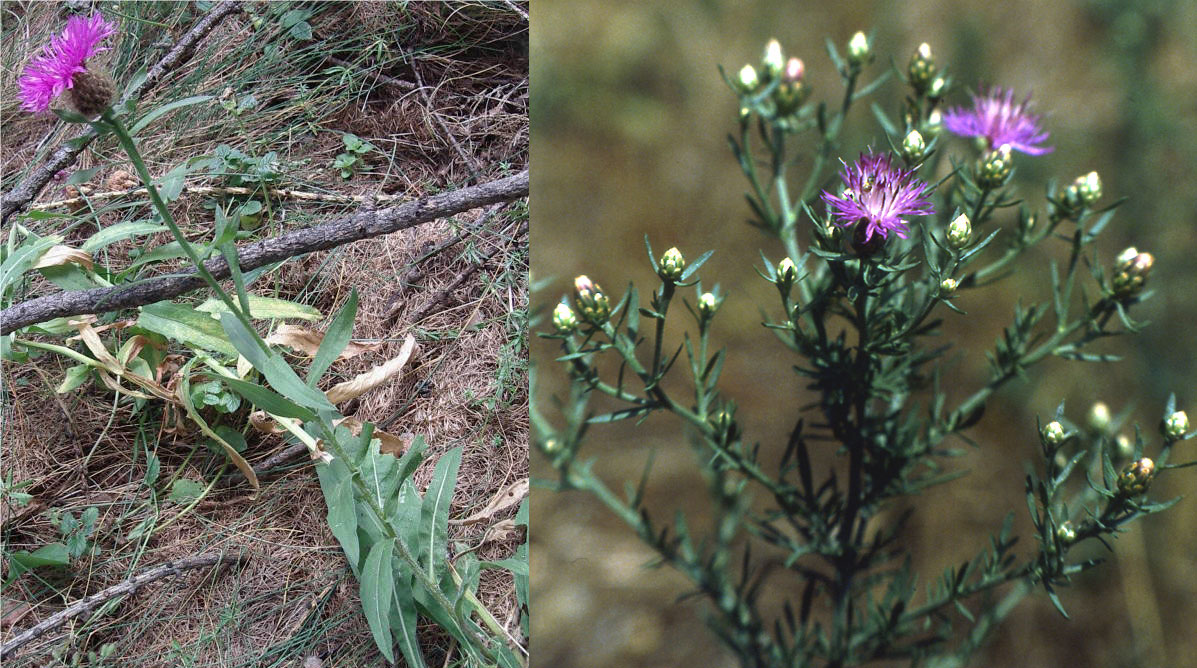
(14, 610)
(373, 378)
(504, 531)
(308, 342)
(389, 444)
(60, 255)
(506, 498)
(260, 421)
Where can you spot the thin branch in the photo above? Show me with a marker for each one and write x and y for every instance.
(225, 190)
(354, 227)
(130, 586)
(65, 155)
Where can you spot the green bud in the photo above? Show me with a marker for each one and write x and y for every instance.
(787, 273)
(938, 87)
(1136, 477)
(914, 147)
(1131, 272)
(792, 90)
(960, 231)
(564, 319)
(773, 61)
(1176, 426)
(708, 303)
(1124, 446)
(1099, 416)
(671, 266)
(859, 50)
(921, 69)
(995, 168)
(1089, 188)
(934, 123)
(551, 445)
(749, 81)
(948, 286)
(1053, 433)
(590, 301)
(1066, 533)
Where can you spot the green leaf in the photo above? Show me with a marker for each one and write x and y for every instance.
(266, 308)
(404, 618)
(377, 588)
(168, 251)
(120, 232)
(268, 400)
(152, 468)
(69, 277)
(186, 325)
(81, 176)
(171, 185)
(434, 515)
(53, 554)
(74, 377)
(278, 373)
(335, 339)
(165, 109)
(342, 519)
(184, 490)
(302, 30)
(22, 259)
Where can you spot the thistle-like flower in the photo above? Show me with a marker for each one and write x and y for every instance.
(62, 66)
(997, 118)
(879, 196)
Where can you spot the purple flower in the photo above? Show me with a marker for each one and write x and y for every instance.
(53, 71)
(878, 195)
(1000, 121)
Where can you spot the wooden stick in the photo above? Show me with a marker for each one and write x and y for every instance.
(354, 227)
(125, 588)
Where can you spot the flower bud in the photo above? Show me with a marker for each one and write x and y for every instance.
(91, 93)
(960, 231)
(1136, 477)
(1066, 533)
(590, 301)
(1099, 416)
(995, 168)
(914, 148)
(792, 91)
(921, 69)
(938, 87)
(1053, 433)
(948, 286)
(773, 62)
(859, 50)
(551, 445)
(708, 303)
(1131, 272)
(934, 124)
(787, 273)
(1123, 446)
(749, 79)
(564, 319)
(671, 266)
(1089, 188)
(1175, 426)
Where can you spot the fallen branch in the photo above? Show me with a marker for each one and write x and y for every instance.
(354, 227)
(225, 190)
(65, 155)
(125, 588)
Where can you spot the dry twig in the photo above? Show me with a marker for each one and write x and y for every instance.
(354, 227)
(125, 588)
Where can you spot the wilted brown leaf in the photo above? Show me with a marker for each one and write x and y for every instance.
(374, 377)
(509, 497)
(308, 342)
(60, 255)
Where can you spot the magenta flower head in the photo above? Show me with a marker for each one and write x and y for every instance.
(878, 197)
(63, 62)
(1000, 121)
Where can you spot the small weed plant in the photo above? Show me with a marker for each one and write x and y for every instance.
(873, 261)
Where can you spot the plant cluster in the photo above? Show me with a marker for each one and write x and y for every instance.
(394, 538)
(871, 262)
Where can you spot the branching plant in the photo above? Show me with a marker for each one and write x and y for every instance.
(870, 266)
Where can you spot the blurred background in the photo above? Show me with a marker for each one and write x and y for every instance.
(629, 122)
